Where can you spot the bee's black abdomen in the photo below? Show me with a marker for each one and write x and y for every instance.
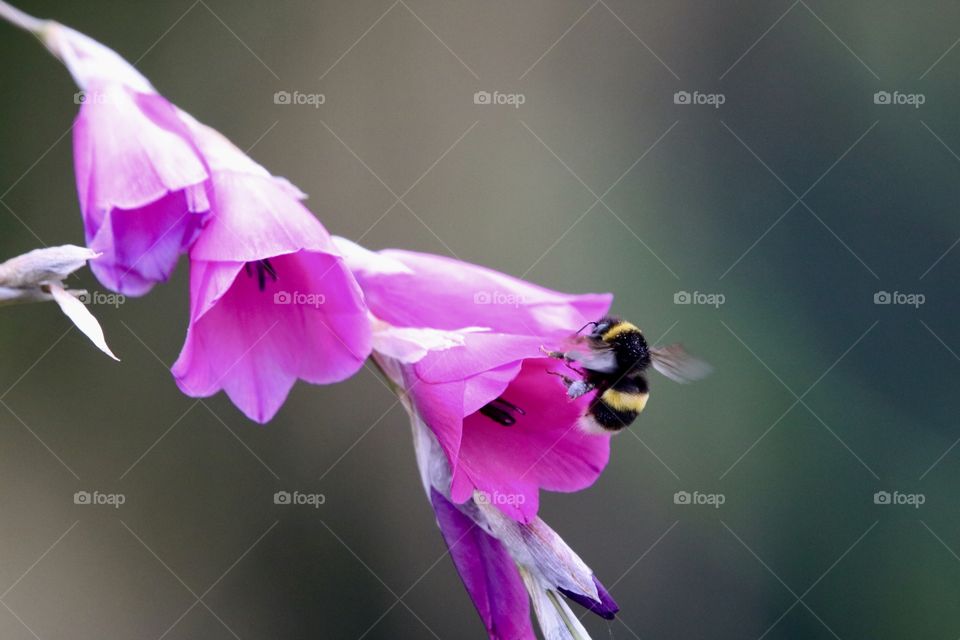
(632, 384)
(610, 418)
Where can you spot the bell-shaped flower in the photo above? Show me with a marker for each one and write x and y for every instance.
(270, 298)
(465, 343)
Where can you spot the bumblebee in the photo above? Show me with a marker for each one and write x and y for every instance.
(612, 359)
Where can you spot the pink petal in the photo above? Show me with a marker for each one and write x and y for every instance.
(141, 247)
(257, 218)
(481, 352)
(443, 293)
(310, 323)
(544, 449)
(130, 150)
(441, 408)
(141, 186)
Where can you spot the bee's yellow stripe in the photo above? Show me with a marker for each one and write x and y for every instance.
(625, 401)
(617, 329)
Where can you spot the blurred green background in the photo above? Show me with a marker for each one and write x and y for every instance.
(797, 200)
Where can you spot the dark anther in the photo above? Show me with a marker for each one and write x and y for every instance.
(269, 269)
(501, 412)
(264, 268)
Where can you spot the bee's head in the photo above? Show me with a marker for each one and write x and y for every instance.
(608, 328)
(600, 327)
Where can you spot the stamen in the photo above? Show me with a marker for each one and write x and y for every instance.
(501, 412)
(510, 406)
(269, 269)
(264, 268)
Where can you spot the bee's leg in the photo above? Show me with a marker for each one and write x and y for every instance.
(575, 388)
(578, 388)
(577, 371)
(559, 355)
(562, 355)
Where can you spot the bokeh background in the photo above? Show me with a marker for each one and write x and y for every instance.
(797, 200)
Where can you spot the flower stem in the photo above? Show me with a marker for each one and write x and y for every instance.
(20, 19)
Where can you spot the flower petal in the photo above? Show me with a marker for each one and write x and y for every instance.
(81, 317)
(141, 183)
(141, 246)
(606, 607)
(257, 218)
(488, 572)
(543, 449)
(410, 289)
(130, 150)
(480, 352)
(44, 265)
(310, 323)
(548, 558)
(411, 344)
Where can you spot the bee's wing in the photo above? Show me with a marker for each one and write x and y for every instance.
(674, 362)
(591, 354)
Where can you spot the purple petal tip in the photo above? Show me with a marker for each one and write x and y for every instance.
(606, 608)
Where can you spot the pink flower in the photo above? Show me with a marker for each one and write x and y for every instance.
(270, 299)
(142, 183)
(505, 564)
(464, 345)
